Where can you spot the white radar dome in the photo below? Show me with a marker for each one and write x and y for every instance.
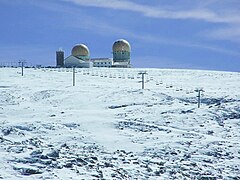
(80, 50)
(121, 45)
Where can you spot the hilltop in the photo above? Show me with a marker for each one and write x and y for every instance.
(107, 127)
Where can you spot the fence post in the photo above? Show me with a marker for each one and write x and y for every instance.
(142, 73)
(73, 76)
(199, 96)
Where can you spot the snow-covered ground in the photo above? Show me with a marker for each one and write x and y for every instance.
(107, 127)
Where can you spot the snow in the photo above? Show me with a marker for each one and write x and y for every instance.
(108, 127)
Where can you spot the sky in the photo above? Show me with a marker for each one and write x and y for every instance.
(189, 34)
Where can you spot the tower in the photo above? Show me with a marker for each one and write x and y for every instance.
(121, 53)
(59, 58)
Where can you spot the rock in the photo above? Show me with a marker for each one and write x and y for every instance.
(7, 131)
(123, 151)
(28, 171)
(36, 153)
(114, 175)
(46, 161)
(173, 153)
(135, 162)
(68, 165)
(59, 166)
(106, 164)
(90, 160)
(54, 153)
(207, 177)
(94, 158)
(160, 171)
(16, 149)
(210, 132)
(43, 157)
(149, 169)
(96, 176)
(187, 111)
(83, 162)
(187, 156)
(126, 162)
(30, 160)
(65, 146)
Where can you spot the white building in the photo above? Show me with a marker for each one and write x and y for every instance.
(80, 57)
(121, 65)
(73, 61)
(102, 62)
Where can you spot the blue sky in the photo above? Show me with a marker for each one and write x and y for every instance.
(191, 34)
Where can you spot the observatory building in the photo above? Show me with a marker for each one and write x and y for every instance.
(121, 54)
(102, 62)
(80, 57)
(121, 50)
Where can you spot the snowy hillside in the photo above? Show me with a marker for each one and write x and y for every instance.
(107, 127)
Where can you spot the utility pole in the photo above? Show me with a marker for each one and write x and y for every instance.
(199, 96)
(19, 63)
(22, 62)
(142, 73)
(73, 76)
(22, 67)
